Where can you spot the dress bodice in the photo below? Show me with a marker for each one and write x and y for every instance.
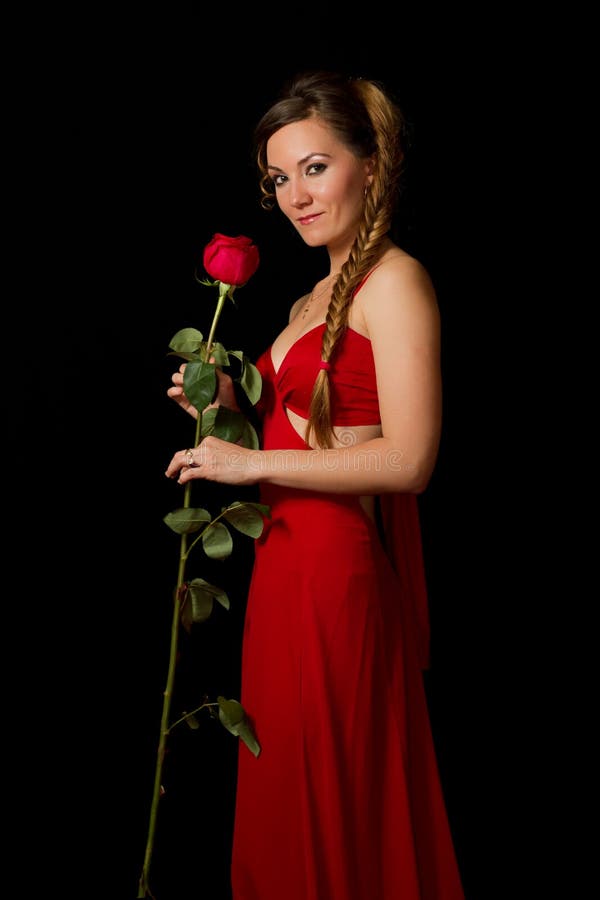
(351, 377)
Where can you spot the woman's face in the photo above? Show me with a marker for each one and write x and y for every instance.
(319, 183)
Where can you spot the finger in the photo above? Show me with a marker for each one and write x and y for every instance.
(172, 469)
(175, 391)
(180, 460)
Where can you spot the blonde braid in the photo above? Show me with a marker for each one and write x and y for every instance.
(379, 205)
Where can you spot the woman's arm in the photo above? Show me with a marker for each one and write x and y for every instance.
(399, 310)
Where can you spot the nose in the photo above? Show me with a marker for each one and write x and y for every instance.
(299, 195)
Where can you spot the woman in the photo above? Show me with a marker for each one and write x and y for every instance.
(344, 801)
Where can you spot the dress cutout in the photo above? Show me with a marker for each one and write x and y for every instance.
(344, 801)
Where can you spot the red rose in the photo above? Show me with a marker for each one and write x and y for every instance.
(232, 260)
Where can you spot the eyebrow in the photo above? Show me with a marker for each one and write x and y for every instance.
(301, 162)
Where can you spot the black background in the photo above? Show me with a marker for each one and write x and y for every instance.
(142, 152)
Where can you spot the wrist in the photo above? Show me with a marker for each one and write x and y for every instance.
(257, 466)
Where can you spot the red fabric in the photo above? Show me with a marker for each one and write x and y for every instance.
(344, 801)
(402, 536)
(351, 377)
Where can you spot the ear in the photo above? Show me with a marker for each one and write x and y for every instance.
(369, 169)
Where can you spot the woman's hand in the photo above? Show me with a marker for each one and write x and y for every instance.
(177, 394)
(215, 460)
(225, 394)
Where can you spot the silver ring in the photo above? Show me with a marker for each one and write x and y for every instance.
(189, 459)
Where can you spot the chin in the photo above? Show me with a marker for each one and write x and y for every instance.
(313, 239)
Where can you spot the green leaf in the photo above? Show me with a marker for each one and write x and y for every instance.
(200, 597)
(202, 594)
(208, 421)
(229, 424)
(250, 379)
(188, 340)
(199, 608)
(186, 521)
(233, 716)
(223, 423)
(191, 720)
(264, 509)
(217, 541)
(249, 437)
(245, 517)
(219, 352)
(199, 383)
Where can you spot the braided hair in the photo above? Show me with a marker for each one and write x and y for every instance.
(369, 123)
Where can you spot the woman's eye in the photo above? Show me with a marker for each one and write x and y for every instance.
(278, 180)
(316, 168)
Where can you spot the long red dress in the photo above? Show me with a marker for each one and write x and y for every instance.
(344, 801)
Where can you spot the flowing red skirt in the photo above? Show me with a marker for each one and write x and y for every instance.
(344, 801)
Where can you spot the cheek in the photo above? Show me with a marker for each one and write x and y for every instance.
(348, 190)
(355, 187)
(283, 205)
(286, 209)
(351, 201)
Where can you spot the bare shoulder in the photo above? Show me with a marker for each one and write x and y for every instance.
(399, 287)
(399, 272)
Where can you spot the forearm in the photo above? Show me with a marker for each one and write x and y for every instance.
(373, 467)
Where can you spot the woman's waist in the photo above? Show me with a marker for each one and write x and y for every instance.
(295, 504)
